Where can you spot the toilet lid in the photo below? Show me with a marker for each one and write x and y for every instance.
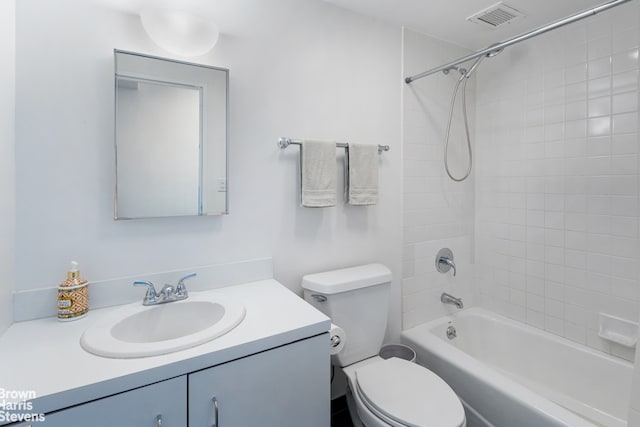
(409, 394)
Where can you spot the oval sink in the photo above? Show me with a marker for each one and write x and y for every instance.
(168, 321)
(138, 331)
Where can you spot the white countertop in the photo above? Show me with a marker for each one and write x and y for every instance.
(45, 355)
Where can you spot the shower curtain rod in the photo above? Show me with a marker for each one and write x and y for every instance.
(520, 38)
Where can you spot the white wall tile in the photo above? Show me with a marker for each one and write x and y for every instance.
(625, 82)
(581, 215)
(557, 210)
(601, 67)
(598, 87)
(437, 212)
(624, 61)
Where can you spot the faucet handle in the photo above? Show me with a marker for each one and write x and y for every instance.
(181, 290)
(448, 262)
(444, 261)
(151, 294)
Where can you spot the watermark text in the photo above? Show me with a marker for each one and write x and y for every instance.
(17, 406)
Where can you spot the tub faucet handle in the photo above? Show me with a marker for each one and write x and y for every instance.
(444, 261)
(450, 263)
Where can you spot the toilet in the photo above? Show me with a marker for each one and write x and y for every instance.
(381, 392)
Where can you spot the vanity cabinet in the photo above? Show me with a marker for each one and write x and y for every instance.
(285, 387)
(134, 408)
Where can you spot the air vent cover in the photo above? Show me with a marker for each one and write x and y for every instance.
(496, 15)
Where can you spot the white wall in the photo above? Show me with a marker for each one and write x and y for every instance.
(634, 410)
(437, 211)
(558, 208)
(7, 161)
(299, 68)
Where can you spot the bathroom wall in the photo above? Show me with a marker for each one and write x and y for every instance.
(437, 211)
(7, 160)
(299, 68)
(634, 410)
(557, 209)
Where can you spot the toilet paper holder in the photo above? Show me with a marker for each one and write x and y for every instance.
(337, 338)
(335, 341)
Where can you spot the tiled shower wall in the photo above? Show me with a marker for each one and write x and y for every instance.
(437, 212)
(557, 209)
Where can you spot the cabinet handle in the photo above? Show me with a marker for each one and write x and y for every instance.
(215, 412)
(159, 421)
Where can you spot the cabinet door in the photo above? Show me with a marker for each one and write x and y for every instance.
(136, 408)
(284, 387)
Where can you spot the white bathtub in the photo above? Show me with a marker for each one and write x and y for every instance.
(512, 375)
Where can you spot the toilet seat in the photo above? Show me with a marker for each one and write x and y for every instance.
(404, 394)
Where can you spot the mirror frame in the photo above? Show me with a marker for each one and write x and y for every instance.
(159, 80)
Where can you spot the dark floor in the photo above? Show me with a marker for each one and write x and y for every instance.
(340, 413)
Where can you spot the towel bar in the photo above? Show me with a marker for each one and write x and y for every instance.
(285, 142)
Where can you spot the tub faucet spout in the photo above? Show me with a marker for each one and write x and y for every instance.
(450, 299)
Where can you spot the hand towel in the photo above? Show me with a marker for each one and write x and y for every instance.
(319, 174)
(362, 174)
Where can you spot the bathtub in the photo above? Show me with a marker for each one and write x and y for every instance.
(509, 374)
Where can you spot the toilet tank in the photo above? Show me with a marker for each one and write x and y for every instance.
(357, 300)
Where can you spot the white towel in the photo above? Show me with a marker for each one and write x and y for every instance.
(319, 174)
(362, 174)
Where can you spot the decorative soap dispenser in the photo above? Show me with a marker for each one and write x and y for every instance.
(73, 296)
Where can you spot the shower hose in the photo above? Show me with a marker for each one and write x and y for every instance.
(461, 80)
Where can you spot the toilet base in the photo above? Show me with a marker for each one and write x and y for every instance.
(353, 411)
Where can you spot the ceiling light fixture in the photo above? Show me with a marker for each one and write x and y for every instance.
(179, 32)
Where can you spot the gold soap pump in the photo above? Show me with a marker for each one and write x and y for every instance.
(73, 295)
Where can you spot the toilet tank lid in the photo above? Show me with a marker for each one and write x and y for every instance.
(346, 279)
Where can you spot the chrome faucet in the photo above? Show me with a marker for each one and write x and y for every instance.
(450, 299)
(444, 261)
(168, 293)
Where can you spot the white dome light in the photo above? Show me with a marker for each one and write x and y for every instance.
(179, 32)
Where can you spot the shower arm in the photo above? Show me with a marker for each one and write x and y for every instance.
(518, 39)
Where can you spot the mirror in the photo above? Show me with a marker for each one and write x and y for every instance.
(170, 136)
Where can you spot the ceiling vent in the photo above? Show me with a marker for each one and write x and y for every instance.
(496, 15)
